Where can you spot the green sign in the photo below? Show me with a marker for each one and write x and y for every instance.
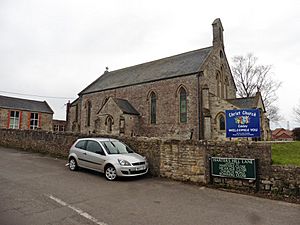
(233, 168)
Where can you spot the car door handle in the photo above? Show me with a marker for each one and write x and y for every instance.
(84, 153)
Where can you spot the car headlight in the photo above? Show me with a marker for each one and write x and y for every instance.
(124, 162)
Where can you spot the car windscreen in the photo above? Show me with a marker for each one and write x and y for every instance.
(116, 147)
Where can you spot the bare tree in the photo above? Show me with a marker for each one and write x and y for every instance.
(297, 113)
(251, 77)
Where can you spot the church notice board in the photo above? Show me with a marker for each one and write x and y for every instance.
(238, 168)
(242, 123)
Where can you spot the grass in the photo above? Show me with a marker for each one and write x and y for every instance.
(286, 153)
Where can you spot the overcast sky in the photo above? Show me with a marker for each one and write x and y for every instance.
(55, 48)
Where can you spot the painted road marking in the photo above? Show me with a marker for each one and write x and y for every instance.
(77, 210)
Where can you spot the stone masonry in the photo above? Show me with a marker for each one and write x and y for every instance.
(167, 107)
(186, 161)
(209, 86)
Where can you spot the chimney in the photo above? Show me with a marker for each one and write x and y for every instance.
(68, 110)
(218, 33)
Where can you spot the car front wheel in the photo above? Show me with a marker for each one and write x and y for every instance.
(72, 164)
(110, 173)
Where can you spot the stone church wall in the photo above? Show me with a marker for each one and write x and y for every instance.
(214, 64)
(73, 123)
(168, 124)
(217, 106)
(130, 123)
(101, 124)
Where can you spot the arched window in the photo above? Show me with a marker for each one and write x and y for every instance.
(222, 83)
(183, 105)
(218, 77)
(153, 108)
(221, 122)
(122, 125)
(109, 123)
(88, 112)
(226, 88)
(222, 86)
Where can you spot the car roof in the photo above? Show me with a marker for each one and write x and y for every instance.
(97, 139)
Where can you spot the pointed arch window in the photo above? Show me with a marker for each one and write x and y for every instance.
(109, 123)
(218, 77)
(122, 125)
(222, 86)
(221, 122)
(183, 105)
(226, 88)
(153, 108)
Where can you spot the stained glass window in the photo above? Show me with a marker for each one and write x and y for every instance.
(183, 106)
(222, 122)
(153, 108)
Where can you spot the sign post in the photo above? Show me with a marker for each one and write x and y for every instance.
(242, 123)
(238, 168)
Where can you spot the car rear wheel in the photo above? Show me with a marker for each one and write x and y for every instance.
(110, 173)
(73, 164)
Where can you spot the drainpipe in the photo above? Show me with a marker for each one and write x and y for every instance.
(199, 107)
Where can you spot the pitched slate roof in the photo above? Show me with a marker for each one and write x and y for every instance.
(173, 66)
(24, 104)
(125, 106)
(244, 103)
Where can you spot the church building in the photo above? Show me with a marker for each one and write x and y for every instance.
(180, 97)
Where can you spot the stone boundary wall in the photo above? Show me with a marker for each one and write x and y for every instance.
(282, 181)
(55, 144)
(146, 147)
(252, 150)
(186, 161)
(274, 180)
(183, 160)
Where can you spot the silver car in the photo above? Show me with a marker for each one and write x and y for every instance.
(109, 156)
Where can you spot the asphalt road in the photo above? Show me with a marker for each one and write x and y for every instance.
(39, 190)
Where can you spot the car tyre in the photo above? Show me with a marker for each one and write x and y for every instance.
(110, 173)
(73, 164)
